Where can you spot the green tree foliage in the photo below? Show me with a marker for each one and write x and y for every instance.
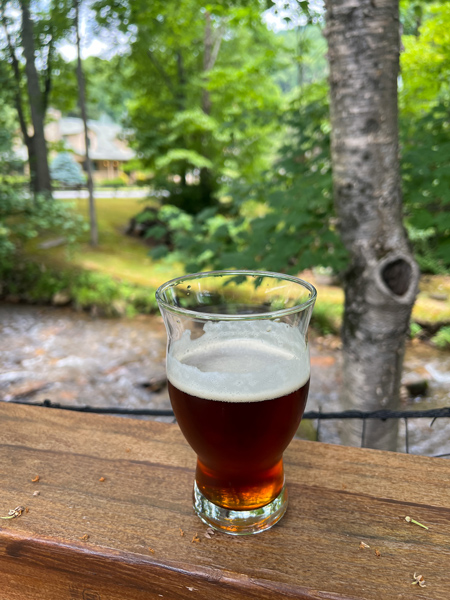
(9, 187)
(425, 133)
(29, 35)
(106, 92)
(287, 222)
(426, 186)
(425, 62)
(304, 57)
(23, 218)
(204, 101)
(64, 169)
(9, 163)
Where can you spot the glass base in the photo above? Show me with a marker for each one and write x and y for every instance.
(240, 522)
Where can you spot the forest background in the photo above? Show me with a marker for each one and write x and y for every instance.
(226, 106)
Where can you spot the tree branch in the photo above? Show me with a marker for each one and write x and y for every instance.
(48, 74)
(215, 49)
(181, 81)
(161, 71)
(212, 46)
(82, 104)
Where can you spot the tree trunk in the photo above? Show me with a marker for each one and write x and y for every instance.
(82, 103)
(181, 87)
(382, 278)
(38, 157)
(209, 58)
(32, 163)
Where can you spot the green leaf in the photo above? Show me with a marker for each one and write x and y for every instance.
(158, 252)
(180, 155)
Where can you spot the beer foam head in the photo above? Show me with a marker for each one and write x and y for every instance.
(239, 361)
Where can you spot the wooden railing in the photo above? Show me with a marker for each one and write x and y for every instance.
(107, 515)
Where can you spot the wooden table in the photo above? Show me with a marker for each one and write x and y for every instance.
(110, 519)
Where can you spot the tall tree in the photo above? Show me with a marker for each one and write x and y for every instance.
(27, 44)
(382, 277)
(211, 47)
(82, 103)
(204, 100)
(15, 85)
(38, 162)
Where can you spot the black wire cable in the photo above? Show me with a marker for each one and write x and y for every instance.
(433, 413)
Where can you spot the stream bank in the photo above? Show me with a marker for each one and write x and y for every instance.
(72, 358)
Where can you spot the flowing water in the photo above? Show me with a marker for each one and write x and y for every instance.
(72, 358)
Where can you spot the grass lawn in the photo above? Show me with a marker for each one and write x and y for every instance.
(118, 255)
(126, 258)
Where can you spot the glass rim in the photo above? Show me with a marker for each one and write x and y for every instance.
(229, 317)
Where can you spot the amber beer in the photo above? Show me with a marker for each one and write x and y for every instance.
(238, 372)
(239, 397)
(239, 444)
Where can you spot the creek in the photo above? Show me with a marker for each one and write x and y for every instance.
(72, 358)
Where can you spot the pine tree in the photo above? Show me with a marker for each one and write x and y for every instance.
(66, 170)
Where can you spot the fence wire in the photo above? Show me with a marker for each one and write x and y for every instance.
(313, 415)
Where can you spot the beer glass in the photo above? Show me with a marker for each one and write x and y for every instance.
(238, 377)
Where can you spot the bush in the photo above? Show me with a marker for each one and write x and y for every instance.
(286, 222)
(24, 217)
(426, 186)
(85, 290)
(116, 182)
(415, 330)
(327, 317)
(110, 297)
(14, 182)
(442, 338)
(64, 169)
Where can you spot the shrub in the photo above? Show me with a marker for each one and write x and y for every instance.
(66, 170)
(85, 290)
(327, 317)
(442, 338)
(415, 330)
(24, 217)
(116, 182)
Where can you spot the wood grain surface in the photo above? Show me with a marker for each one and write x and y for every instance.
(113, 519)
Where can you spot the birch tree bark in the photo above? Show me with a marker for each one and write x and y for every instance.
(382, 278)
